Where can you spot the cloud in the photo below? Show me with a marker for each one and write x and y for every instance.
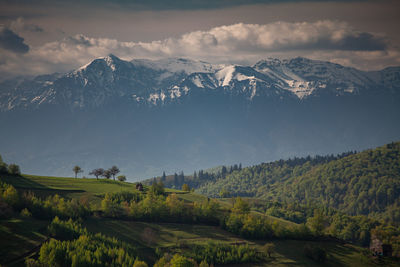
(11, 41)
(19, 25)
(235, 39)
(235, 43)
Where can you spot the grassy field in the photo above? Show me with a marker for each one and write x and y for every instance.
(165, 236)
(174, 238)
(19, 236)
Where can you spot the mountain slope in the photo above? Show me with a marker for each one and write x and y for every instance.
(172, 114)
(361, 183)
(163, 81)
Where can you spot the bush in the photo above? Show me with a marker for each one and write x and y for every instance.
(139, 263)
(10, 195)
(26, 213)
(121, 178)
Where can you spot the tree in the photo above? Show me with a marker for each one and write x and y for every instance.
(181, 261)
(114, 171)
(77, 170)
(3, 166)
(10, 196)
(223, 171)
(157, 188)
(97, 172)
(181, 177)
(139, 263)
(185, 187)
(224, 193)
(269, 248)
(121, 178)
(163, 177)
(241, 206)
(317, 223)
(14, 169)
(107, 174)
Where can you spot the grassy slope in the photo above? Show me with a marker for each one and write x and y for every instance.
(174, 237)
(19, 236)
(26, 234)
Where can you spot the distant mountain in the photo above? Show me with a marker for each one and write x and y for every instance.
(172, 114)
(164, 81)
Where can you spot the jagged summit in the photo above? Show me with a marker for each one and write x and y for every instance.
(164, 81)
(154, 115)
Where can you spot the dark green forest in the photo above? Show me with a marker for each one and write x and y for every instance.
(364, 183)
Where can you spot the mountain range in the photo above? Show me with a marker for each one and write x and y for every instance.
(147, 116)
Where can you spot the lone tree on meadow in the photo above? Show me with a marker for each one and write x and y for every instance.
(77, 170)
(97, 172)
(114, 171)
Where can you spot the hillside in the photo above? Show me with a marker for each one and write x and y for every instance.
(367, 182)
(23, 234)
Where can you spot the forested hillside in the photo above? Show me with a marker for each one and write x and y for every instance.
(356, 183)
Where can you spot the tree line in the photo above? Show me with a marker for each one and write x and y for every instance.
(12, 168)
(100, 172)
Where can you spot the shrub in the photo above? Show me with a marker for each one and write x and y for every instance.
(139, 263)
(10, 195)
(26, 213)
(121, 178)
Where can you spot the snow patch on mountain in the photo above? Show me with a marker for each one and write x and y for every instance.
(163, 81)
(174, 65)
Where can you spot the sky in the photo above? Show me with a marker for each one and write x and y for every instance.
(42, 36)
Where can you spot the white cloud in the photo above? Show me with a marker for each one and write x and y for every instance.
(233, 43)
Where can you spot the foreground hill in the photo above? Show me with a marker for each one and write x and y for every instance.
(26, 235)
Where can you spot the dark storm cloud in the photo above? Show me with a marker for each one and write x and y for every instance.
(196, 4)
(175, 4)
(363, 42)
(354, 41)
(11, 41)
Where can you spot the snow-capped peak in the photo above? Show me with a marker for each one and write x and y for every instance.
(225, 75)
(111, 61)
(176, 65)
